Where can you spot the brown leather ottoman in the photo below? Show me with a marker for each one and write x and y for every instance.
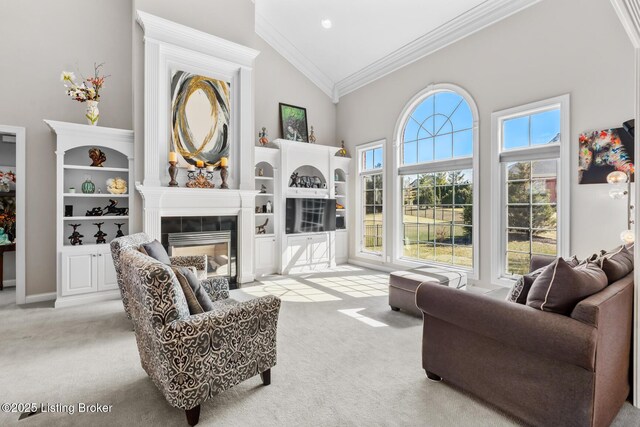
(403, 285)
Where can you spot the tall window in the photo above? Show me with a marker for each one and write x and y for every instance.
(436, 171)
(371, 188)
(531, 160)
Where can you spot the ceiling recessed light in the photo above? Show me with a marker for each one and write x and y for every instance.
(326, 23)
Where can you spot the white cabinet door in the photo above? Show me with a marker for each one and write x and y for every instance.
(319, 251)
(107, 278)
(265, 255)
(78, 273)
(297, 254)
(342, 247)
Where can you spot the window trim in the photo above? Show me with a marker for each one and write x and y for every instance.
(561, 151)
(360, 172)
(457, 163)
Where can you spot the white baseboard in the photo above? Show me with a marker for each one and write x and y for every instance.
(9, 283)
(47, 296)
(73, 300)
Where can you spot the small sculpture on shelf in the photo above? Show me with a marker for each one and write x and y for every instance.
(258, 209)
(97, 157)
(113, 210)
(260, 172)
(88, 187)
(76, 237)
(312, 136)
(4, 237)
(295, 179)
(262, 137)
(263, 189)
(339, 206)
(116, 185)
(342, 152)
(262, 229)
(95, 212)
(119, 233)
(100, 235)
(305, 181)
(269, 208)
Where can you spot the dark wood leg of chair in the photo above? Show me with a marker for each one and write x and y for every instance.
(432, 376)
(394, 308)
(266, 377)
(193, 415)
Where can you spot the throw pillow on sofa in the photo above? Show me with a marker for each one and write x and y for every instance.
(197, 298)
(560, 287)
(618, 264)
(156, 251)
(520, 290)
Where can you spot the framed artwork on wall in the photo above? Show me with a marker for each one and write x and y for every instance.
(602, 152)
(293, 123)
(200, 118)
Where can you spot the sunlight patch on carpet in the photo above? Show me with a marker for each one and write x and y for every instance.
(353, 312)
(289, 289)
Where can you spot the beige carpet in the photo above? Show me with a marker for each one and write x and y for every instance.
(333, 368)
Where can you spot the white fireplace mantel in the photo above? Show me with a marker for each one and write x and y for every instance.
(171, 47)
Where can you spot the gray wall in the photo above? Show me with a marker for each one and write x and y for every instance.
(547, 50)
(39, 39)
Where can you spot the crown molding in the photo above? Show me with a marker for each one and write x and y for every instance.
(284, 47)
(474, 20)
(170, 32)
(629, 14)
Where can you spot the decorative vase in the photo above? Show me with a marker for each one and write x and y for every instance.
(88, 187)
(93, 114)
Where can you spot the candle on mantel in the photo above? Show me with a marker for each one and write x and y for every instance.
(224, 162)
(199, 163)
(191, 168)
(209, 168)
(173, 156)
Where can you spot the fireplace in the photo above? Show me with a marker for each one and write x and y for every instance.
(214, 236)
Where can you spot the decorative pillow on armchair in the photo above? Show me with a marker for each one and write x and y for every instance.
(560, 287)
(520, 290)
(156, 251)
(197, 298)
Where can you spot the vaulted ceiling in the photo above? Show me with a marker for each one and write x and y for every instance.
(369, 38)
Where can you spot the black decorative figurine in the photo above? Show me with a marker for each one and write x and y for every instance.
(112, 210)
(119, 233)
(94, 212)
(100, 235)
(76, 237)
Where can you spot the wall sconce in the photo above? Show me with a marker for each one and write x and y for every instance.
(620, 183)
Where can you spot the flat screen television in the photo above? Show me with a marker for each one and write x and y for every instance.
(310, 215)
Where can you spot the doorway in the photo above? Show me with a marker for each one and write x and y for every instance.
(12, 211)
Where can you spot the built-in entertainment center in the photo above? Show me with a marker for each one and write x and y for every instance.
(301, 207)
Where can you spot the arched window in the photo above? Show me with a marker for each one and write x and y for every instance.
(437, 137)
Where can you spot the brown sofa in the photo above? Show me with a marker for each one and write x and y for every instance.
(544, 368)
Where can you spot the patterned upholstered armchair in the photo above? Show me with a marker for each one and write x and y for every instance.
(199, 263)
(193, 357)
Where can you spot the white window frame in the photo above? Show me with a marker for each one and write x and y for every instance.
(471, 162)
(360, 149)
(561, 151)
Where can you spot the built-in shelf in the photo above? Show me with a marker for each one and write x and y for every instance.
(265, 235)
(340, 182)
(93, 218)
(264, 178)
(93, 168)
(96, 195)
(264, 214)
(340, 196)
(264, 194)
(340, 210)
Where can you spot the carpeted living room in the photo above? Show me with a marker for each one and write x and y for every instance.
(292, 213)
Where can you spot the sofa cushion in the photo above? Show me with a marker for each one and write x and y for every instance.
(618, 264)
(560, 287)
(520, 290)
(156, 251)
(197, 298)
